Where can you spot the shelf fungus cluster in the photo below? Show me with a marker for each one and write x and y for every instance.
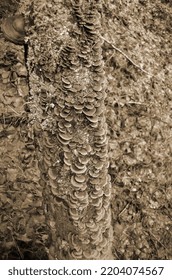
(74, 148)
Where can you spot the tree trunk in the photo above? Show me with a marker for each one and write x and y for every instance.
(67, 114)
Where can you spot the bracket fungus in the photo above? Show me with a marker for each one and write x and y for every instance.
(75, 127)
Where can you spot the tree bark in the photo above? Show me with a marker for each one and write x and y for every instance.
(67, 113)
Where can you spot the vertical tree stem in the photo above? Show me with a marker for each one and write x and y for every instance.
(67, 92)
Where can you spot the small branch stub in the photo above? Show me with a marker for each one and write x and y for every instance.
(13, 29)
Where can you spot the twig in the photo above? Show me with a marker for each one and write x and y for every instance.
(123, 210)
(14, 111)
(117, 49)
(150, 233)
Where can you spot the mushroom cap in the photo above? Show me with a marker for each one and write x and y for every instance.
(13, 29)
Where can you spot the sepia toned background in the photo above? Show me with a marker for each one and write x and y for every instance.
(85, 131)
